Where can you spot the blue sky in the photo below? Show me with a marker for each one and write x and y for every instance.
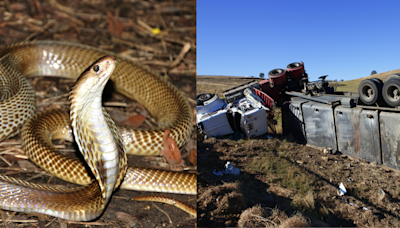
(342, 39)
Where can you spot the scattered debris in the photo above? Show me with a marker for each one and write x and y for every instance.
(350, 180)
(229, 169)
(342, 189)
(328, 150)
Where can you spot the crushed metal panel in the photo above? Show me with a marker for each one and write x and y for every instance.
(369, 136)
(293, 122)
(319, 125)
(358, 133)
(216, 124)
(236, 93)
(390, 135)
(254, 123)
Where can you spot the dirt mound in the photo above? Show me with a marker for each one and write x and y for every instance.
(229, 200)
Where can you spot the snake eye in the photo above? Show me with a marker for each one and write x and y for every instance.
(96, 68)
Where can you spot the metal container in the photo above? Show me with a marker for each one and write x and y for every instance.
(390, 135)
(319, 125)
(293, 121)
(357, 133)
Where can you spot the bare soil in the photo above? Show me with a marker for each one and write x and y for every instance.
(124, 27)
(372, 197)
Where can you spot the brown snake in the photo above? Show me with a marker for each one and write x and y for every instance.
(101, 142)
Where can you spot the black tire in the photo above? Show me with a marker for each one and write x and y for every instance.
(201, 98)
(380, 101)
(294, 65)
(392, 76)
(369, 91)
(380, 82)
(391, 92)
(276, 72)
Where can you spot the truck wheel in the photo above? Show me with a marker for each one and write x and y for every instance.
(369, 91)
(379, 81)
(201, 98)
(391, 92)
(393, 76)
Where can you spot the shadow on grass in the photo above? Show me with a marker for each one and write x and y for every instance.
(352, 193)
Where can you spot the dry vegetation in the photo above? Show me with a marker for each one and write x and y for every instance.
(295, 181)
(257, 216)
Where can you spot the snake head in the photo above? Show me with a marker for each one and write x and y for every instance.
(92, 81)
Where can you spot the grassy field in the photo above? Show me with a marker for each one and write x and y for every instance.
(217, 84)
(352, 85)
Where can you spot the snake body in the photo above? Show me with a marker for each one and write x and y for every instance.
(93, 129)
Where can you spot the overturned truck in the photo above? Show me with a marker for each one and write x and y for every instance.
(241, 112)
(364, 124)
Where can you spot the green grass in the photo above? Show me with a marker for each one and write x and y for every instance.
(279, 169)
(348, 86)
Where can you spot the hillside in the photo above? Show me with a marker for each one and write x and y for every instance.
(352, 85)
(217, 84)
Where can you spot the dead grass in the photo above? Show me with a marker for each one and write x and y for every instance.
(231, 203)
(296, 220)
(207, 196)
(257, 216)
(306, 201)
(253, 217)
(223, 199)
(276, 124)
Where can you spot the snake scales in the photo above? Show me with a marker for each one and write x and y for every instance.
(91, 126)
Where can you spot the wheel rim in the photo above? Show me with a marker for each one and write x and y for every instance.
(204, 96)
(393, 93)
(276, 72)
(368, 93)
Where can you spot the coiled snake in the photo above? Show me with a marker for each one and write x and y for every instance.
(102, 143)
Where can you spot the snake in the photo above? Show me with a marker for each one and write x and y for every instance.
(103, 144)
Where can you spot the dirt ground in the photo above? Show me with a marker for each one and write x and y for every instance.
(125, 27)
(310, 193)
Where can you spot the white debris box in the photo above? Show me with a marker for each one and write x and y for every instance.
(254, 122)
